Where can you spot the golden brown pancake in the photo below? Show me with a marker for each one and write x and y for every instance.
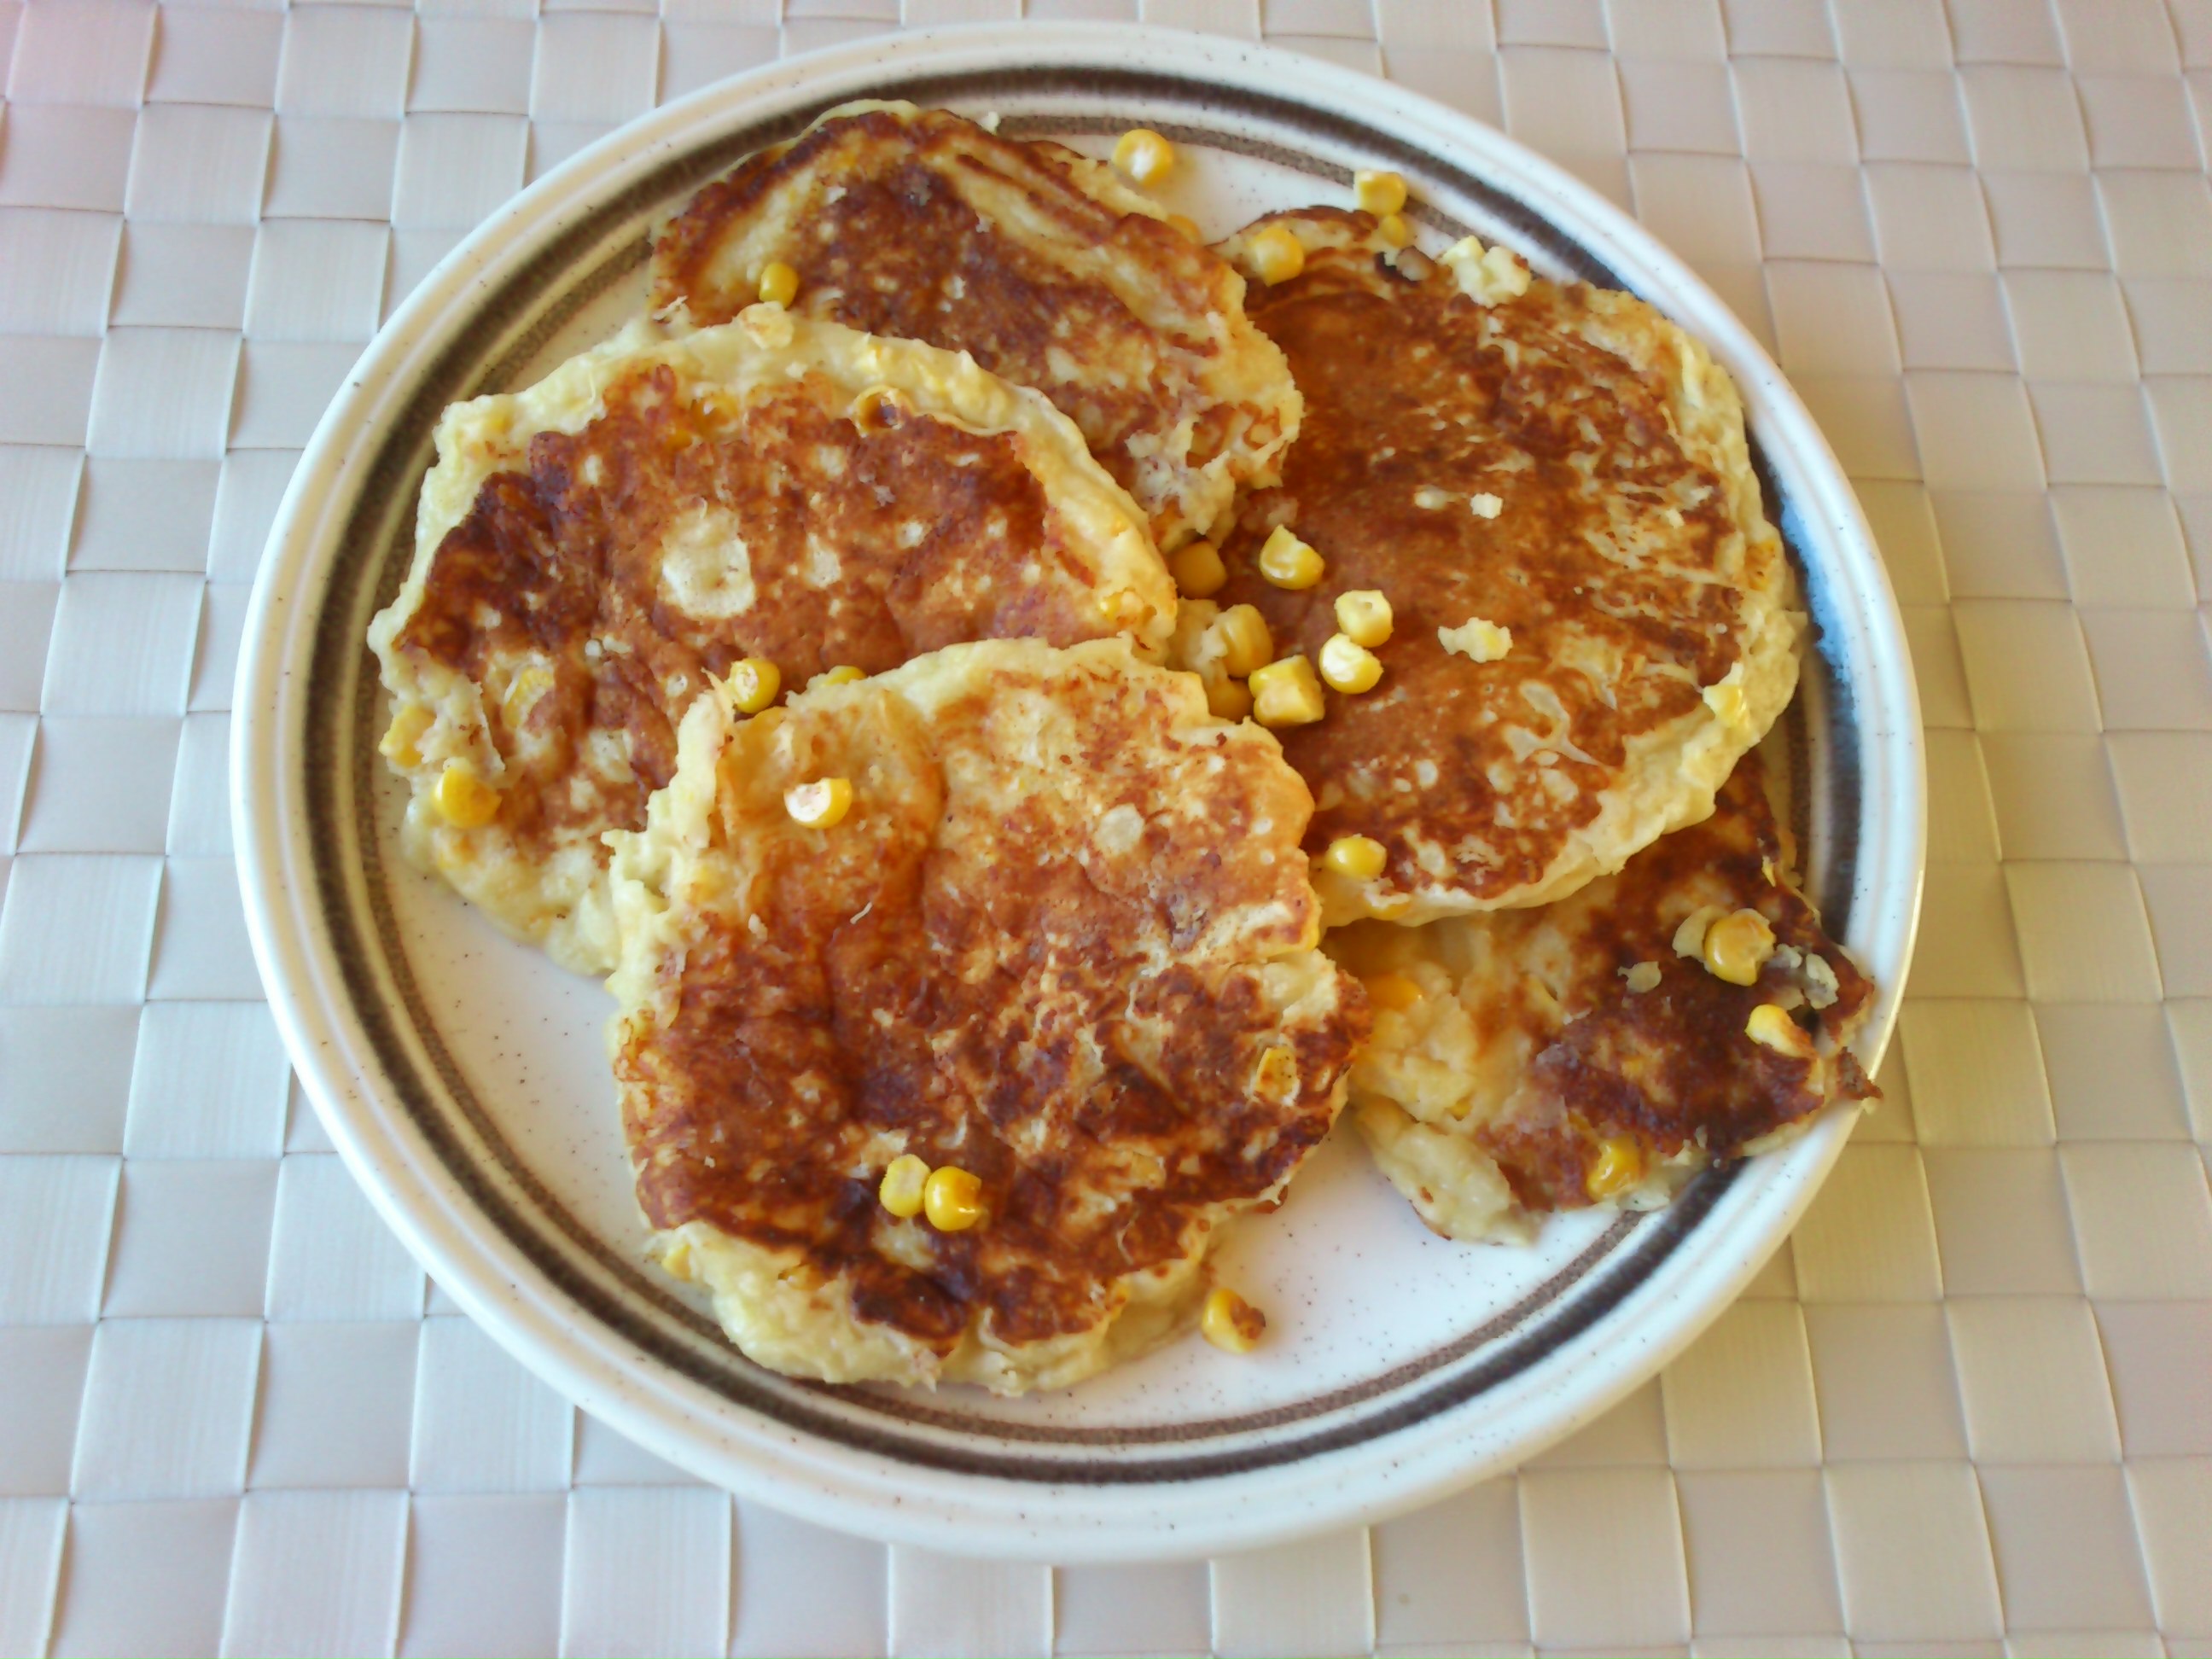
(1062, 939)
(1036, 260)
(589, 550)
(1565, 465)
(1536, 1060)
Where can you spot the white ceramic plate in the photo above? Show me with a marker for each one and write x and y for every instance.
(463, 1077)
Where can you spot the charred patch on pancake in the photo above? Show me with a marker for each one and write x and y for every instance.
(919, 224)
(1565, 465)
(1052, 944)
(1571, 1025)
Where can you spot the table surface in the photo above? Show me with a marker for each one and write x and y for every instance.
(1967, 1409)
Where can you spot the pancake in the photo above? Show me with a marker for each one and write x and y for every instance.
(1537, 1059)
(1038, 261)
(1062, 939)
(1551, 485)
(589, 550)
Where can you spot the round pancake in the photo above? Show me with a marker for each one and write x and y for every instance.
(1510, 1047)
(1566, 465)
(589, 550)
(1062, 939)
(918, 223)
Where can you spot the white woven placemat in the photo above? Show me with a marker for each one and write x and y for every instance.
(1969, 1410)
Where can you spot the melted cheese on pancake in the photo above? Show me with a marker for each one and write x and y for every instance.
(1593, 618)
(920, 224)
(589, 550)
(1062, 939)
(1510, 1047)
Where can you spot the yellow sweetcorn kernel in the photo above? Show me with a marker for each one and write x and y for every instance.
(1361, 857)
(1737, 946)
(1286, 693)
(1349, 667)
(464, 799)
(901, 1190)
(1276, 1078)
(1289, 562)
(1232, 1323)
(953, 1200)
(820, 805)
(1393, 230)
(1363, 615)
(1144, 157)
(1247, 646)
(408, 728)
(779, 284)
(1770, 1027)
(753, 684)
(1394, 992)
(1228, 700)
(1276, 254)
(1378, 192)
(843, 674)
(1620, 1166)
(1198, 571)
(1187, 226)
(522, 694)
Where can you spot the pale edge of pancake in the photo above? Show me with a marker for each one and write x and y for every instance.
(1245, 368)
(561, 903)
(775, 1305)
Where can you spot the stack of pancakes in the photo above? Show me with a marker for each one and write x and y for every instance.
(808, 660)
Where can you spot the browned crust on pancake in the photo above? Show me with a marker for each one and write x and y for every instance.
(886, 237)
(971, 974)
(551, 567)
(1670, 1068)
(1412, 386)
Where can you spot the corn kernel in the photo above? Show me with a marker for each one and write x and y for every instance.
(1187, 225)
(1276, 1076)
(523, 692)
(820, 805)
(466, 800)
(843, 674)
(1232, 1323)
(901, 1189)
(1289, 562)
(1378, 192)
(1144, 157)
(1394, 992)
(953, 1200)
(779, 284)
(1277, 253)
(1620, 1166)
(1349, 667)
(1228, 700)
(407, 729)
(1394, 231)
(1286, 693)
(1247, 646)
(1361, 857)
(1198, 570)
(1770, 1026)
(676, 1259)
(1363, 615)
(753, 683)
(1737, 946)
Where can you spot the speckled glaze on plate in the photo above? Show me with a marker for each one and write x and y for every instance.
(463, 1077)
